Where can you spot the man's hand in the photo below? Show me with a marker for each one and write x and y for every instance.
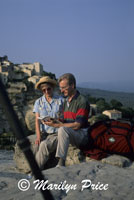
(74, 125)
(53, 124)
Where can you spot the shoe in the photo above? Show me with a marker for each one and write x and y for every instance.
(61, 163)
(57, 166)
(30, 175)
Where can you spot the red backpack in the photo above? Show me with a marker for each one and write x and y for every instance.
(110, 137)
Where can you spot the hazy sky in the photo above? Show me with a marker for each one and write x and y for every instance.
(94, 39)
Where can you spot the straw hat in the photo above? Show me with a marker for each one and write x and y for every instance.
(45, 79)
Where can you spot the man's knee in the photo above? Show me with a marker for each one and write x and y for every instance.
(63, 132)
(43, 143)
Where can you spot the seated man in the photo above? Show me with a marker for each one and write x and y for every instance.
(76, 110)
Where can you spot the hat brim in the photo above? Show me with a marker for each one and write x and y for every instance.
(53, 82)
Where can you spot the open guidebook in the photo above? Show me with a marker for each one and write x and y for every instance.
(48, 118)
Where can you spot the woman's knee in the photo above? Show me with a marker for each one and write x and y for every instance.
(43, 145)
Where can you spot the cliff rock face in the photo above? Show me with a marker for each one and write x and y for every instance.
(22, 98)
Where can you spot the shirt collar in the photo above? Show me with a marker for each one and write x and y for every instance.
(44, 99)
(75, 96)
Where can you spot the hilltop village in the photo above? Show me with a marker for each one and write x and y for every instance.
(11, 72)
(19, 81)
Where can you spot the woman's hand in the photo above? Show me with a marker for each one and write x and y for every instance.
(37, 141)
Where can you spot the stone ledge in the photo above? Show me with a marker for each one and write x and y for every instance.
(73, 157)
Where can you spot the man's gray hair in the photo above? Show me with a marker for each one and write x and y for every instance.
(70, 77)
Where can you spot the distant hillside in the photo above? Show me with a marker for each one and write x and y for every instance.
(127, 99)
(116, 86)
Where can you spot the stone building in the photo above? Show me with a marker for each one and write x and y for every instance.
(6, 69)
(4, 58)
(17, 72)
(93, 110)
(113, 114)
(34, 79)
(31, 69)
(38, 68)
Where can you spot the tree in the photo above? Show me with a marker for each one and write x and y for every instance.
(91, 99)
(128, 113)
(115, 104)
(49, 74)
(101, 98)
(102, 105)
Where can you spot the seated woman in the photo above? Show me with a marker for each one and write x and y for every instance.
(50, 105)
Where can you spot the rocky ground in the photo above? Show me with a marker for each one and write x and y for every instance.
(94, 180)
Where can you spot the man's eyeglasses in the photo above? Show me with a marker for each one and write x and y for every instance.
(64, 88)
(47, 89)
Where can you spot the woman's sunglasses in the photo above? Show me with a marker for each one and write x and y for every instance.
(47, 89)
